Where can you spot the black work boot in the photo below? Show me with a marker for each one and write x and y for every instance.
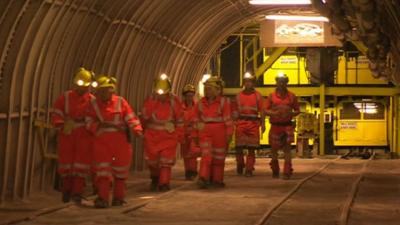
(275, 168)
(100, 203)
(248, 173)
(239, 169)
(203, 183)
(66, 197)
(188, 175)
(287, 170)
(118, 202)
(154, 183)
(218, 184)
(164, 188)
(77, 199)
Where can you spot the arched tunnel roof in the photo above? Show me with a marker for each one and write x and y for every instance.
(43, 43)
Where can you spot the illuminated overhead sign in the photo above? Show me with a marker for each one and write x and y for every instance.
(280, 2)
(288, 33)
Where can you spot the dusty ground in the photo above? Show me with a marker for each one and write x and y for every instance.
(244, 200)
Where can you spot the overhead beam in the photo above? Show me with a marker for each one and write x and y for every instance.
(270, 61)
(360, 47)
(336, 91)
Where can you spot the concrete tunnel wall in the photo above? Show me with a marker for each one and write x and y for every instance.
(43, 42)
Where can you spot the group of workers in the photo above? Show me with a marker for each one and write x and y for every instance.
(96, 127)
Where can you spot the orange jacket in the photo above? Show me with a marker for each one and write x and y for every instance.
(188, 117)
(156, 114)
(116, 112)
(285, 104)
(248, 105)
(218, 111)
(70, 105)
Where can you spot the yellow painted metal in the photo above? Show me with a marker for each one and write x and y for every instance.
(255, 53)
(321, 119)
(390, 125)
(270, 61)
(361, 131)
(335, 91)
(350, 71)
(397, 124)
(291, 65)
(360, 47)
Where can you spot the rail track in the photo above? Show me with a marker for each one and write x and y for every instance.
(123, 210)
(264, 219)
(346, 206)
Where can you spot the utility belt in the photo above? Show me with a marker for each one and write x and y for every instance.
(202, 124)
(282, 124)
(111, 129)
(124, 129)
(79, 124)
(168, 126)
(70, 125)
(249, 118)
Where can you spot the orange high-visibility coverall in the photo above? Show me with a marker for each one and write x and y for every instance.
(282, 129)
(163, 122)
(73, 148)
(112, 152)
(247, 111)
(214, 125)
(189, 157)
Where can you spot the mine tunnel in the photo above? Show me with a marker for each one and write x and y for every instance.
(316, 143)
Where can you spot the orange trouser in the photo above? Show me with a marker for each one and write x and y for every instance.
(213, 143)
(280, 137)
(75, 158)
(247, 136)
(189, 157)
(112, 159)
(160, 152)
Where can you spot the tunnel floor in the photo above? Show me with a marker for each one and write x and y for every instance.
(318, 193)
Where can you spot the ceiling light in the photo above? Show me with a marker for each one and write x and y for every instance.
(297, 18)
(280, 2)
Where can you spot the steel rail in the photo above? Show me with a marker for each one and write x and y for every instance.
(345, 212)
(267, 215)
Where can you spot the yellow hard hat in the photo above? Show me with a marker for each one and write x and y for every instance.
(162, 84)
(105, 81)
(189, 88)
(248, 76)
(83, 77)
(214, 81)
(282, 76)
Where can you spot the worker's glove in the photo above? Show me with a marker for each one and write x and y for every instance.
(68, 126)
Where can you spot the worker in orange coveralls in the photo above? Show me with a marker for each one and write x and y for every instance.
(162, 117)
(73, 139)
(249, 116)
(281, 106)
(189, 157)
(213, 132)
(113, 123)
